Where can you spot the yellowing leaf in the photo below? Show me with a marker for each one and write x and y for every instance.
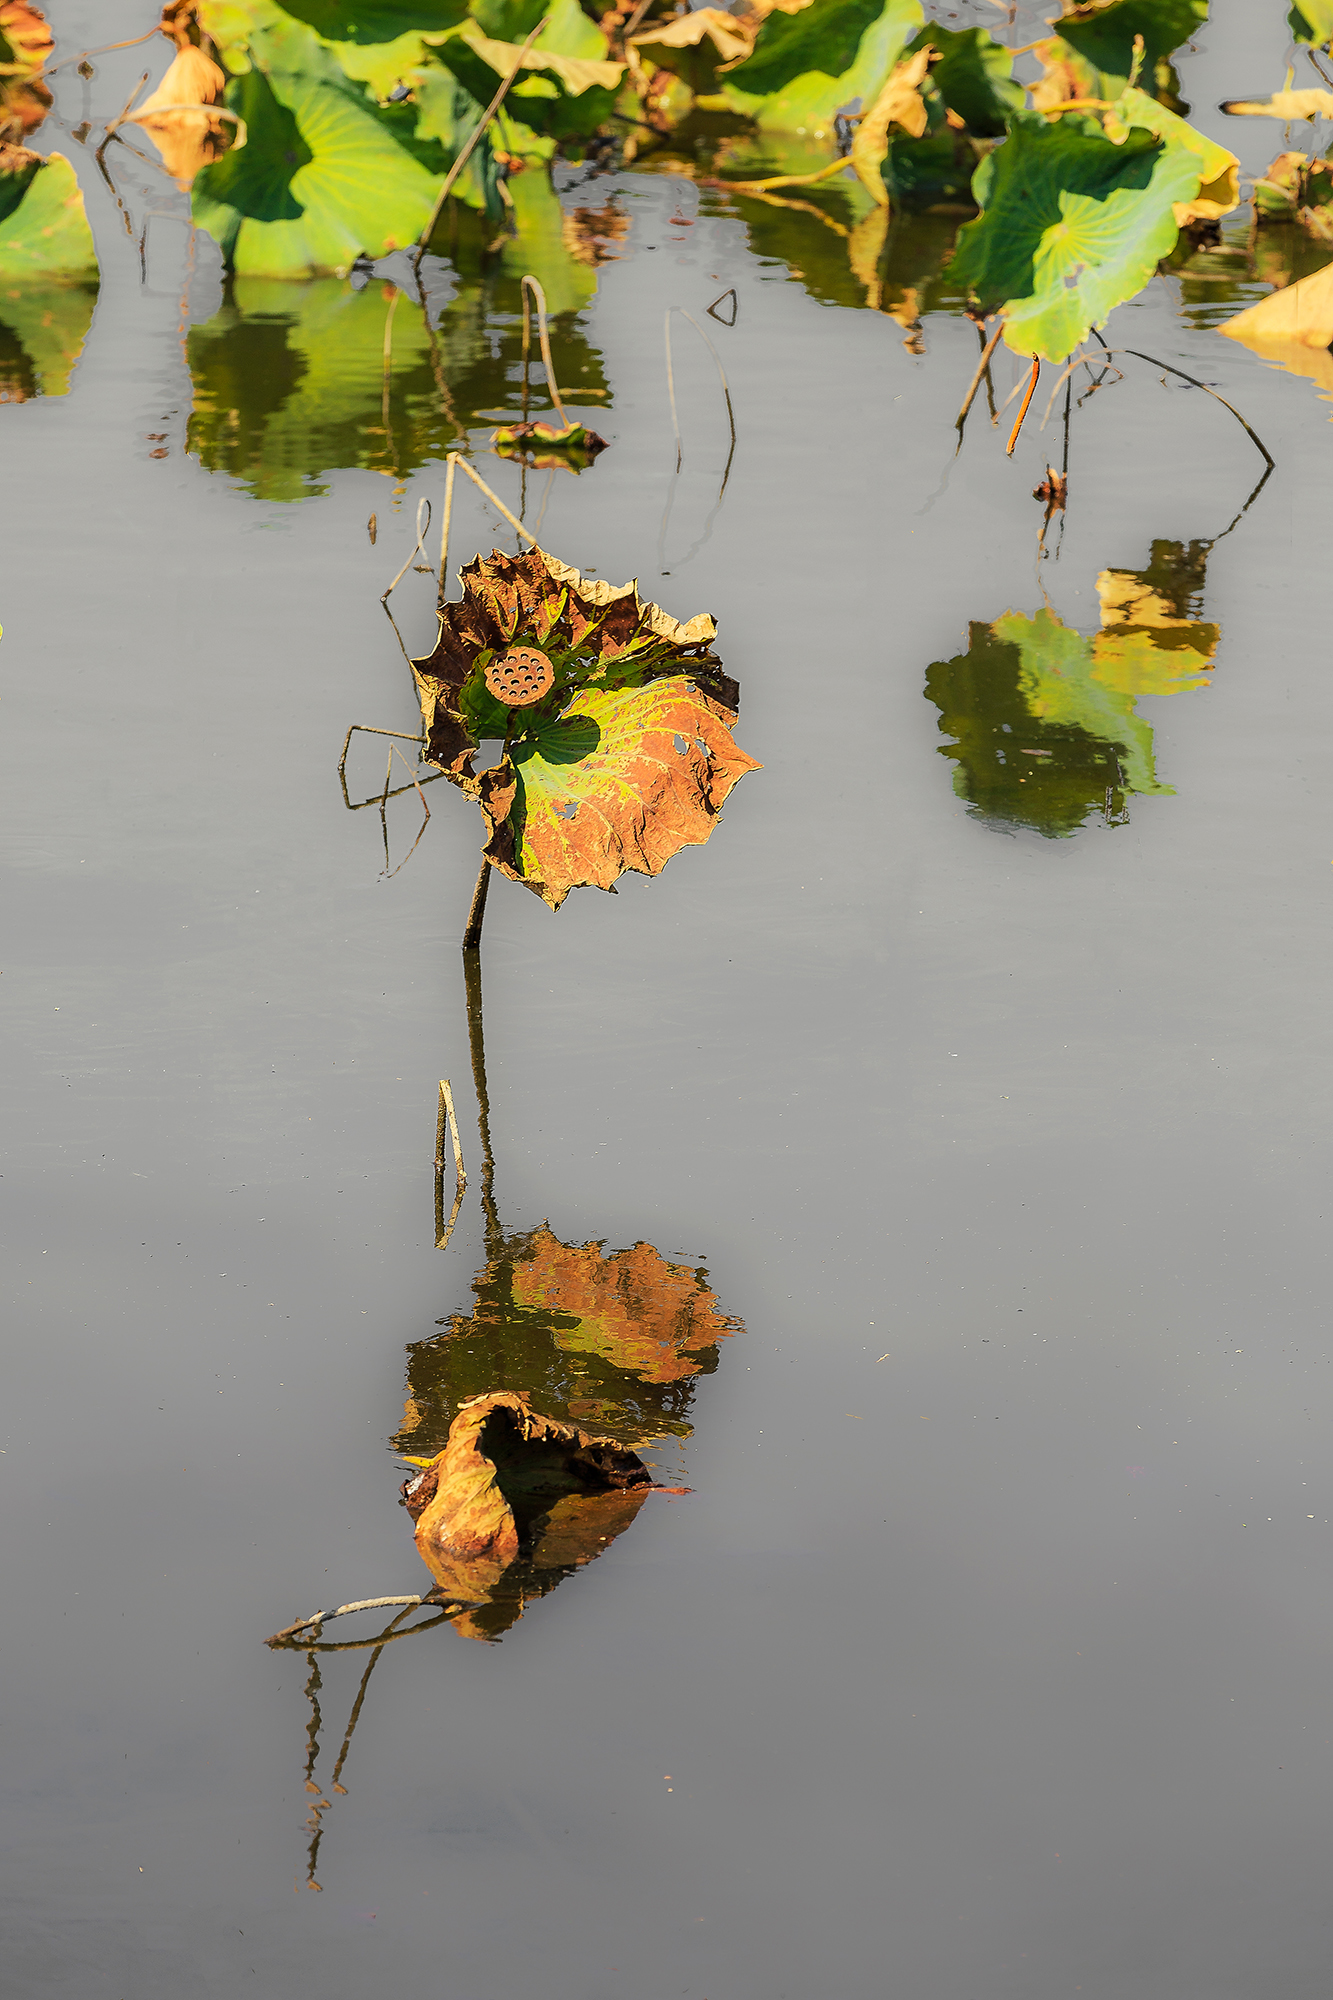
(187, 137)
(1299, 314)
(577, 73)
(899, 103)
(726, 32)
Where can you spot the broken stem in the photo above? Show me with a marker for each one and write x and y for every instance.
(477, 910)
(466, 154)
(423, 507)
(1032, 386)
(975, 383)
(448, 516)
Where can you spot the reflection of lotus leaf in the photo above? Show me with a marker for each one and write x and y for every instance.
(614, 1340)
(514, 1502)
(289, 379)
(1043, 719)
(42, 331)
(1104, 35)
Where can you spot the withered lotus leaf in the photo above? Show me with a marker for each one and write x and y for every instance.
(627, 759)
(495, 1489)
(632, 1307)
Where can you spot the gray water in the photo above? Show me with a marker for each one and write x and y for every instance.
(989, 1654)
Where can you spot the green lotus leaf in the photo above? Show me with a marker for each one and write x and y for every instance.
(43, 325)
(974, 76)
(1104, 35)
(1312, 21)
(807, 67)
(44, 229)
(370, 21)
(319, 181)
(1072, 225)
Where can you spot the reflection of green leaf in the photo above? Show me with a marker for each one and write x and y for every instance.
(1106, 38)
(42, 330)
(1072, 225)
(1312, 21)
(974, 76)
(808, 66)
(45, 233)
(1043, 721)
(319, 180)
(289, 379)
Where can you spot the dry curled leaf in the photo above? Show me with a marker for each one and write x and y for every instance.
(899, 103)
(175, 117)
(627, 759)
(514, 1486)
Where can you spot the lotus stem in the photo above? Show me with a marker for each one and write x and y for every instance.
(466, 154)
(1194, 381)
(975, 383)
(423, 507)
(1032, 385)
(531, 284)
(477, 911)
(671, 388)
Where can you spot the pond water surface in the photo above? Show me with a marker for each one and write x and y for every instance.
(954, 1129)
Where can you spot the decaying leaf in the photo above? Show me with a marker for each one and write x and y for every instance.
(627, 759)
(1043, 720)
(1299, 315)
(546, 445)
(25, 43)
(899, 103)
(188, 138)
(510, 1485)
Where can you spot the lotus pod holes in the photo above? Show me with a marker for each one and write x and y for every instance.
(520, 677)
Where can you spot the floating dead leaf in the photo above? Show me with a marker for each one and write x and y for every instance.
(1300, 315)
(547, 445)
(1286, 104)
(626, 761)
(517, 1491)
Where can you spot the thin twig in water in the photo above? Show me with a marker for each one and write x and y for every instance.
(530, 284)
(975, 383)
(1194, 381)
(1032, 384)
(447, 1122)
(444, 526)
(423, 507)
(466, 154)
(110, 131)
(456, 459)
(671, 388)
(320, 1618)
(414, 786)
(103, 49)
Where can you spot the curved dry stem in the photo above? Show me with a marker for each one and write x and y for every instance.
(988, 348)
(1032, 386)
(454, 461)
(423, 507)
(531, 284)
(103, 49)
(1194, 381)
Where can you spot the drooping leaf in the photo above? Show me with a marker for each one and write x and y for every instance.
(319, 181)
(1042, 719)
(612, 1340)
(973, 74)
(44, 232)
(806, 67)
(899, 103)
(624, 760)
(502, 1484)
(1103, 33)
(1073, 223)
(186, 137)
(564, 96)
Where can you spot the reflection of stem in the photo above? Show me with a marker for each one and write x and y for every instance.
(388, 380)
(982, 369)
(477, 910)
(530, 284)
(477, 1042)
(355, 1716)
